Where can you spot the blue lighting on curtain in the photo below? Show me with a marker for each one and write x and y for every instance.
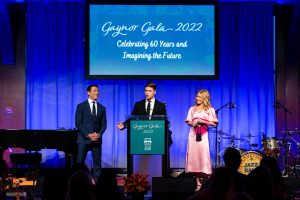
(55, 80)
(7, 51)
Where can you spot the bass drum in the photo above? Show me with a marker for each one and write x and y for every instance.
(250, 160)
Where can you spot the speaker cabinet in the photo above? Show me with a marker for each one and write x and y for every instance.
(179, 188)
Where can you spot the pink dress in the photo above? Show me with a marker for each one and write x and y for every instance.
(198, 154)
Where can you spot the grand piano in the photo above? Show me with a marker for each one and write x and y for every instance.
(34, 140)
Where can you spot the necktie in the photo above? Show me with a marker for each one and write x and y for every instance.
(148, 108)
(94, 109)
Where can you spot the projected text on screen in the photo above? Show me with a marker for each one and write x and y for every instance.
(152, 40)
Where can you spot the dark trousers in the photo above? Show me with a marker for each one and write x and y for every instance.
(96, 153)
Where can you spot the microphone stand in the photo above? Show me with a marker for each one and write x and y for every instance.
(286, 111)
(218, 141)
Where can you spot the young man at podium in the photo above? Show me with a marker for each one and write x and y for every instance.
(148, 106)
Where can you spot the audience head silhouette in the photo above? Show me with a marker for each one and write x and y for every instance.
(107, 187)
(259, 184)
(80, 187)
(271, 163)
(232, 158)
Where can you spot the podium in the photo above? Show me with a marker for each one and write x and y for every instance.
(147, 144)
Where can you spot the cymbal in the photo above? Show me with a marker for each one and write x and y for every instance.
(222, 133)
(232, 138)
(291, 131)
(249, 135)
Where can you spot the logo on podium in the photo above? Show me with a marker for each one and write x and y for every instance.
(147, 144)
(147, 137)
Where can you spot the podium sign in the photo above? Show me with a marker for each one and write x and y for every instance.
(147, 137)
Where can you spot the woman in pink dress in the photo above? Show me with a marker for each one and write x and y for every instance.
(199, 117)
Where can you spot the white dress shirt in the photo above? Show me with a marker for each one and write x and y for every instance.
(151, 105)
(91, 105)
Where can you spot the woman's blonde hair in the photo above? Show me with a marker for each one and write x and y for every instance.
(206, 98)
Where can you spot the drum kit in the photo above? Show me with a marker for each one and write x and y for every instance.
(291, 159)
(279, 148)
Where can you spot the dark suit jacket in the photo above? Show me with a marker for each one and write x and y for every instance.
(140, 109)
(158, 109)
(86, 123)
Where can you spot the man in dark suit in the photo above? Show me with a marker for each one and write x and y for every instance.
(150, 106)
(90, 120)
(147, 106)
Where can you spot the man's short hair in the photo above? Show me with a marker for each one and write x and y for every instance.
(90, 87)
(151, 84)
(232, 158)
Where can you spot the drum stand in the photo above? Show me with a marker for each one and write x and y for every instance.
(218, 139)
(251, 145)
(218, 146)
(232, 144)
(232, 138)
(293, 170)
(285, 142)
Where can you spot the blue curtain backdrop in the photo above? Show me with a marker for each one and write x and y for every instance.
(55, 80)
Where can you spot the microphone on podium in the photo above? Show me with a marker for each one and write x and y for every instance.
(165, 104)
